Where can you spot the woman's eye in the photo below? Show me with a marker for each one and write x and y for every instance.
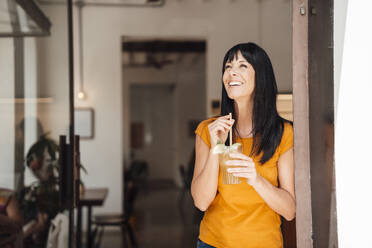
(227, 67)
(244, 66)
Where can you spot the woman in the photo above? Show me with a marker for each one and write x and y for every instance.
(245, 214)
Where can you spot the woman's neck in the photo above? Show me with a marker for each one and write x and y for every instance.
(244, 113)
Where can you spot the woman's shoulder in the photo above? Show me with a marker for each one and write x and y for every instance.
(202, 129)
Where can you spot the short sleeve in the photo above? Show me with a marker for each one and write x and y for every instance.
(287, 138)
(203, 132)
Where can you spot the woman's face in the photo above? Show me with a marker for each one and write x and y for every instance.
(239, 78)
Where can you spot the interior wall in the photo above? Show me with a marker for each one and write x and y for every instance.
(275, 36)
(23, 122)
(32, 126)
(340, 10)
(52, 74)
(7, 138)
(340, 13)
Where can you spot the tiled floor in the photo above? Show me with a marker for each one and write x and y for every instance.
(158, 222)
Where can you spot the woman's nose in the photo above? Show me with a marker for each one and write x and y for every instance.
(232, 72)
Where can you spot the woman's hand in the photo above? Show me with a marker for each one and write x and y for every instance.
(245, 167)
(219, 129)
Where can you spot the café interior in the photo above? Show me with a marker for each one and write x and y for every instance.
(99, 102)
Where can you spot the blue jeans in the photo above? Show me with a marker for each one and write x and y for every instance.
(201, 244)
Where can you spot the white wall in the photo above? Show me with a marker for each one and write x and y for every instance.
(221, 23)
(7, 113)
(11, 135)
(10, 132)
(353, 124)
(31, 125)
(340, 10)
(276, 38)
(53, 74)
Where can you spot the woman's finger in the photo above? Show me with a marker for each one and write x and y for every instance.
(246, 175)
(214, 125)
(229, 122)
(224, 125)
(220, 128)
(240, 156)
(224, 117)
(239, 170)
(239, 163)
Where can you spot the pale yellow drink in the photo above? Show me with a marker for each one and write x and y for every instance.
(228, 178)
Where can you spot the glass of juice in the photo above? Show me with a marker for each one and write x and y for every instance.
(228, 178)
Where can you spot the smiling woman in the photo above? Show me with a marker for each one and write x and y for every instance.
(245, 214)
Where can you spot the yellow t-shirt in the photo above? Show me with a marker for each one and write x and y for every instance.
(238, 217)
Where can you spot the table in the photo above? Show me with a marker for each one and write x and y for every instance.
(91, 197)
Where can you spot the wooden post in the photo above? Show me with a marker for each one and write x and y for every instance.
(321, 119)
(300, 20)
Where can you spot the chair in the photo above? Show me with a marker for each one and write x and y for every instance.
(134, 177)
(120, 220)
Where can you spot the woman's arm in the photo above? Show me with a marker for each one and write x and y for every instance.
(205, 179)
(281, 199)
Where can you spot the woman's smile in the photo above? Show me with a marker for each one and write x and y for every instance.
(235, 83)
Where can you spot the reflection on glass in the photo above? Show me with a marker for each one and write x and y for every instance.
(34, 101)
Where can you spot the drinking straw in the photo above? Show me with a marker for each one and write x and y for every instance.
(230, 130)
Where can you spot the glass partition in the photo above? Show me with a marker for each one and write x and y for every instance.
(34, 104)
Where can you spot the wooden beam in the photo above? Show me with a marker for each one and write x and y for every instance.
(321, 119)
(300, 61)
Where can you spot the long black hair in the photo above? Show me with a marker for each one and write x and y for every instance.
(267, 125)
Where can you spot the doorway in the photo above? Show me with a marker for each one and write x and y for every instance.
(165, 79)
